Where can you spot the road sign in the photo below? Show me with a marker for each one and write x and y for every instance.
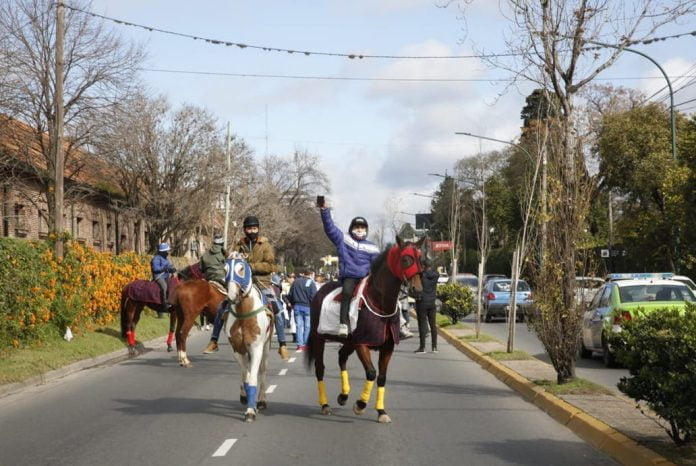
(441, 245)
(604, 252)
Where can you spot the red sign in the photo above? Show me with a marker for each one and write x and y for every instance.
(441, 245)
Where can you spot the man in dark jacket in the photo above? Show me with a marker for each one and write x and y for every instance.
(300, 296)
(162, 270)
(425, 307)
(355, 255)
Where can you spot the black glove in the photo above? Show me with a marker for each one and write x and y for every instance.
(172, 269)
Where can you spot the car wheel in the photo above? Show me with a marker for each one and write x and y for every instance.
(584, 352)
(607, 356)
(520, 316)
(488, 318)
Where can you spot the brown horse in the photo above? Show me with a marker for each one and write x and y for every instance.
(189, 300)
(138, 294)
(377, 327)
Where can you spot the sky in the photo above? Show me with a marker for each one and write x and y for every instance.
(378, 141)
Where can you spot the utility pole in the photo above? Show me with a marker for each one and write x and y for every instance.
(227, 182)
(542, 243)
(59, 160)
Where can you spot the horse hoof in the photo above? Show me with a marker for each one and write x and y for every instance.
(384, 419)
(243, 399)
(359, 407)
(342, 399)
(326, 410)
(249, 417)
(131, 351)
(169, 348)
(261, 405)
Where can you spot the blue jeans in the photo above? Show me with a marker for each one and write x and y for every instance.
(217, 327)
(280, 327)
(302, 324)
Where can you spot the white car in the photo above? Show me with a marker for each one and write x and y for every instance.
(586, 287)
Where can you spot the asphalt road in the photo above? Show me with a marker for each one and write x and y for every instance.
(149, 411)
(526, 340)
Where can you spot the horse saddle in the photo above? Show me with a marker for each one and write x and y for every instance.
(218, 287)
(330, 314)
(147, 291)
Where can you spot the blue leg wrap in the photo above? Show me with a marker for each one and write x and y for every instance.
(246, 389)
(251, 396)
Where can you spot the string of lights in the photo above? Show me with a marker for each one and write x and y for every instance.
(242, 46)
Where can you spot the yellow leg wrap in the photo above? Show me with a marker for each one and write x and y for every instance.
(345, 384)
(367, 390)
(379, 404)
(323, 400)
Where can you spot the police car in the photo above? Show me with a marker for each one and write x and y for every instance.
(622, 298)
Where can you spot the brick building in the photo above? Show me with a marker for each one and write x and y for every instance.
(95, 212)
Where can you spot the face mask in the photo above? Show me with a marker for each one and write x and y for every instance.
(360, 234)
(252, 237)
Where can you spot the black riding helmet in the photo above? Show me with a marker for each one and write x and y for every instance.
(358, 222)
(251, 221)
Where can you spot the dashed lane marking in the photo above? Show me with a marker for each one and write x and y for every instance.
(283, 372)
(271, 388)
(291, 359)
(225, 447)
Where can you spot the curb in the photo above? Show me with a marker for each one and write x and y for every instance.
(103, 360)
(595, 432)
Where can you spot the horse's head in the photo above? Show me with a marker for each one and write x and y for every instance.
(238, 278)
(404, 260)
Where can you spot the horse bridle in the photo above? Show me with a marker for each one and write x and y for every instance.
(394, 257)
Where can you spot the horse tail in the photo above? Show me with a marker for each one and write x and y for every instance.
(124, 316)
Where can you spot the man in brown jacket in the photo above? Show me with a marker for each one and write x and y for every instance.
(261, 258)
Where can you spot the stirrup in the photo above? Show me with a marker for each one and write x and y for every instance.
(342, 330)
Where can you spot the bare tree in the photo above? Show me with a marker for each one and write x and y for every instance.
(169, 164)
(99, 68)
(552, 39)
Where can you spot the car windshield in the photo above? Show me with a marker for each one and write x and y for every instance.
(468, 281)
(589, 283)
(650, 292)
(506, 285)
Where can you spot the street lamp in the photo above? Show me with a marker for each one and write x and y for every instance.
(424, 195)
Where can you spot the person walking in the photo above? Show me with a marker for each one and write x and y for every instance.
(425, 307)
(301, 294)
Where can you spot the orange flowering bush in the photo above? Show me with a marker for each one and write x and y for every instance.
(42, 295)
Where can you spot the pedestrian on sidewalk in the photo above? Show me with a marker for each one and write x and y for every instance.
(301, 294)
(425, 307)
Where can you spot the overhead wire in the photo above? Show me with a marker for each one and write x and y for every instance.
(242, 45)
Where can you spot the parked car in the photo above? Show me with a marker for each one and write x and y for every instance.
(496, 298)
(620, 300)
(685, 280)
(491, 276)
(467, 279)
(586, 287)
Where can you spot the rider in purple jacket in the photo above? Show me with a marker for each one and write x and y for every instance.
(355, 255)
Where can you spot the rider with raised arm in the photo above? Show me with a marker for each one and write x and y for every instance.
(355, 256)
(161, 270)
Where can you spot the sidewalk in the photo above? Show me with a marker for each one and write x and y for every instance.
(610, 423)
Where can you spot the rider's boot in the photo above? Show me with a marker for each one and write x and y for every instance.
(211, 348)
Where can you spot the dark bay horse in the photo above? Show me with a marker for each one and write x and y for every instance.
(377, 327)
(138, 294)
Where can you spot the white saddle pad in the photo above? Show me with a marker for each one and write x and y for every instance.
(330, 315)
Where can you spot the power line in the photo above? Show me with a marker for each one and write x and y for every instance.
(242, 45)
(685, 102)
(357, 78)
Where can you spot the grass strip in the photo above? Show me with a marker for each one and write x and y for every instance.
(576, 386)
(483, 338)
(20, 364)
(516, 355)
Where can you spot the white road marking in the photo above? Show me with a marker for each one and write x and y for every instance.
(291, 359)
(225, 447)
(271, 388)
(283, 372)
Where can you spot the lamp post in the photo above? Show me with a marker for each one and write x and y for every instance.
(542, 245)
(672, 118)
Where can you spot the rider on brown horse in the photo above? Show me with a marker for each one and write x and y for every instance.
(355, 255)
(161, 271)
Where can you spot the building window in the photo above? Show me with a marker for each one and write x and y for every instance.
(21, 223)
(96, 233)
(43, 223)
(79, 233)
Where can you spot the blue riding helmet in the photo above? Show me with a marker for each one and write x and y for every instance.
(276, 279)
(164, 247)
